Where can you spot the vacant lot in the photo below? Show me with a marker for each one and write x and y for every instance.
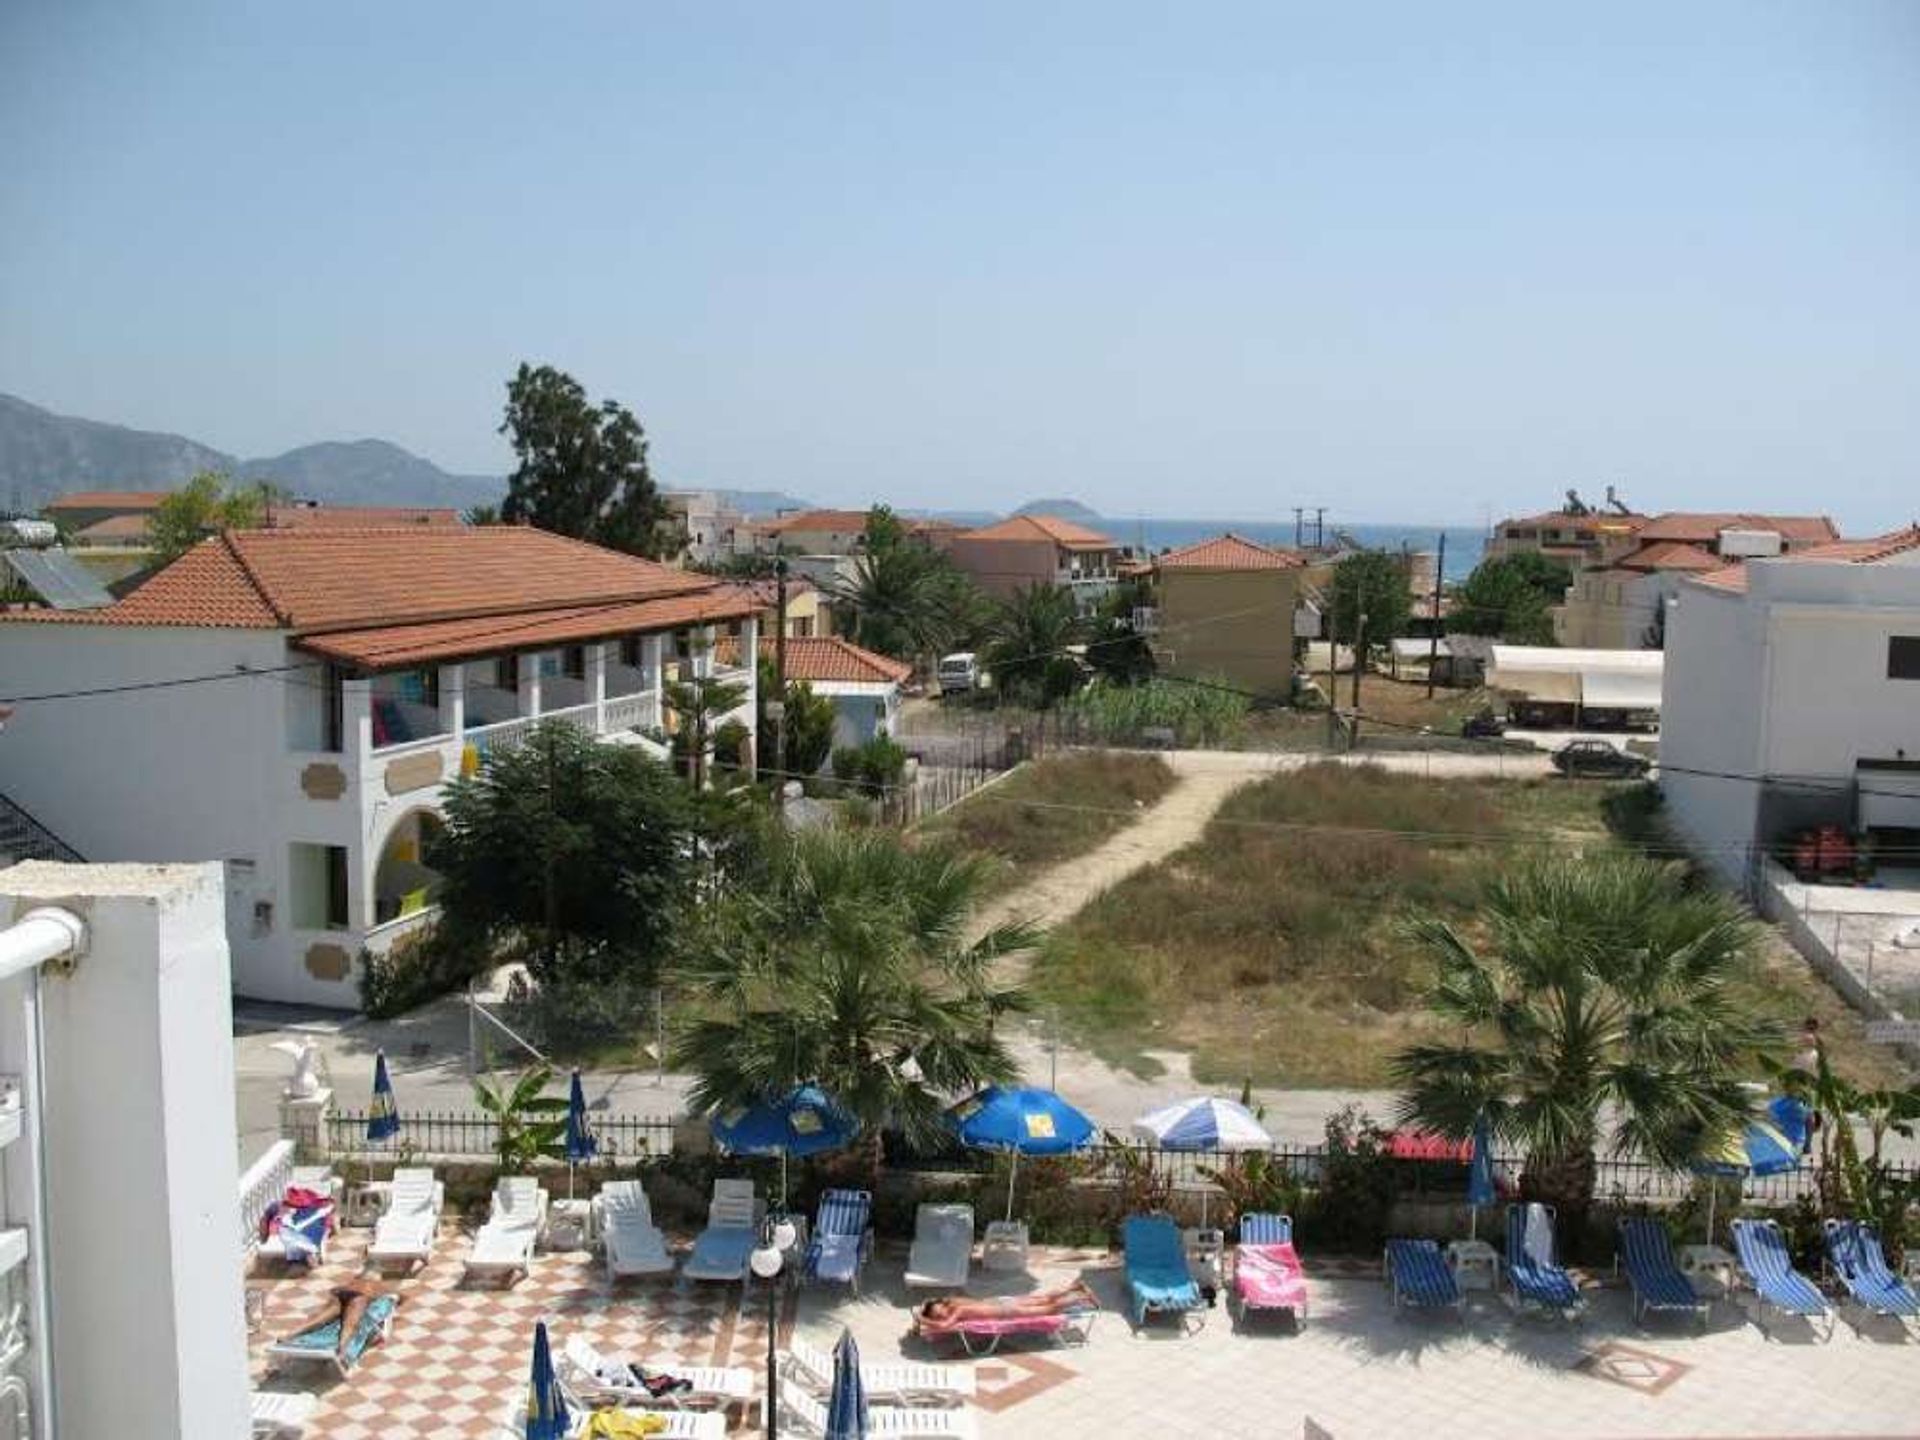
(1277, 946)
(1055, 809)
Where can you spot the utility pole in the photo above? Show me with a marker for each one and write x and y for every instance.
(1299, 525)
(778, 706)
(1333, 664)
(1359, 663)
(1433, 647)
(1320, 527)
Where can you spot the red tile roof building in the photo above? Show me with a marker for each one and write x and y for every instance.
(1228, 552)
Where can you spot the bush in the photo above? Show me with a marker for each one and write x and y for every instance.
(870, 769)
(1197, 714)
(421, 966)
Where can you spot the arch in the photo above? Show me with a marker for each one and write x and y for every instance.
(403, 883)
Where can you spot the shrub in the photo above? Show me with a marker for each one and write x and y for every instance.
(870, 769)
(1197, 714)
(421, 966)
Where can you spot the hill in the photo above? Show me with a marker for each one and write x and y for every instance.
(371, 472)
(1065, 509)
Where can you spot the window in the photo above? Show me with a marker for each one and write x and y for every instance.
(1903, 657)
(318, 875)
(506, 673)
(800, 627)
(422, 687)
(630, 651)
(573, 662)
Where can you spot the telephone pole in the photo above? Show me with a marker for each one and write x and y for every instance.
(1359, 662)
(778, 706)
(1439, 579)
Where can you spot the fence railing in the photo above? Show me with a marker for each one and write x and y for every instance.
(623, 1139)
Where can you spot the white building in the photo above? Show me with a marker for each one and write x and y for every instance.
(864, 686)
(1792, 697)
(713, 529)
(292, 703)
(1553, 687)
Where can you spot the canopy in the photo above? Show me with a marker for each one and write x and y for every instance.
(1609, 690)
(383, 1119)
(847, 1401)
(1029, 1120)
(1203, 1123)
(581, 1144)
(804, 1121)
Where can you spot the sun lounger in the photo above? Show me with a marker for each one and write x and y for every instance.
(597, 1378)
(842, 1238)
(1854, 1253)
(942, 1253)
(1768, 1268)
(1645, 1253)
(981, 1335)
(298, 1233)
(733, 1229)
(404, 1234)
(1418, 1276)
(322, 1342)
(904, 1382)
(1157, 1277)
(1266, 1271)
(1535, 1279)
(281, 1414)
(503, 1249)
(675, 1424)
(634, 1244)
(808, 1416)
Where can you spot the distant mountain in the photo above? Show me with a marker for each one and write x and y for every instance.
(371, 472)
(43, 455)
(1065, 509)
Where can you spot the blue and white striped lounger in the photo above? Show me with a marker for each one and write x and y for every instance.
(1646, 1255)
(1418, 1276)
(1535, 1278)
(1854, 1252)
(1762, 1249)
(841, 1238)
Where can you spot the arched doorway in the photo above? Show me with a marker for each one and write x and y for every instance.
(402, 882)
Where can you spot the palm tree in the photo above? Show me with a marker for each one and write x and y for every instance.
(1605, 985)
(1028, 653)
(905, 599)
(852, 968)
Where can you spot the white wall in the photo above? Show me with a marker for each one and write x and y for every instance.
(1710, 722)
(143, 1241)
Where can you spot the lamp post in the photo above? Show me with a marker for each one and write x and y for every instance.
(769, 1257)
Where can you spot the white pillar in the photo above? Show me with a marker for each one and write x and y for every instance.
(148, 1327)
(453, 700)
(356, 712)
(597, 685)
(749, 711)
(650, 648)
(530, 683)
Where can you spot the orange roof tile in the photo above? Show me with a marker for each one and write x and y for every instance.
(1704, 527)
(356, 517)
(847, 520)
(1044, 527)
(1871, 551)
(109, 500)
(130, 526)
(1229, 552)
(1668, 555)
(828, 659)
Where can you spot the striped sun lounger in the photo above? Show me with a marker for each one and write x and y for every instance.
(1645, 1253)
(841, 1238)
(1768, 1267)
(1266, 1271)
(1535, 1279)
(1854, 1253)
(1418, 1277)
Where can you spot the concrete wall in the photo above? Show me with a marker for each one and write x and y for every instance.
(1710, 721)
(1003, 567)
(1236, 624)
(143, 1242)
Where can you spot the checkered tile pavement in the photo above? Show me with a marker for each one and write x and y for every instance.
(456, 1358)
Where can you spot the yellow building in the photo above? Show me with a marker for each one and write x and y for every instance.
(1225, 610)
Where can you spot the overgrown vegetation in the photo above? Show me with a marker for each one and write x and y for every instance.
(1055, 809)
(1195, 714)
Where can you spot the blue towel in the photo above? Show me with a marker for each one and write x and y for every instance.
(1157, 1277)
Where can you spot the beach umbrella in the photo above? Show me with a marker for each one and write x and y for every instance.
(1770, 1145)
(804, 1121)
(581, 1144)
(1480, 1187)
(1022, 1120)
(383, 1119)
(847, 1402)
(1203, 1123)
(547, 1417)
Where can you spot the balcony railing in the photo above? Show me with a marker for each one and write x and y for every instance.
(630, 712)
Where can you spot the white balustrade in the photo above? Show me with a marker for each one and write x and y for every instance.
(264, 1183)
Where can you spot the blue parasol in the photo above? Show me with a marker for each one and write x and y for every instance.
(1480, 1187)
(804, 1121)
(581, 1144)
(383, 1118)
(1024, 1120)
(847, 1402)
(1771, 1145)
(547, 1417)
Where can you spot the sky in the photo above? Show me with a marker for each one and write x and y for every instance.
(1415, 263)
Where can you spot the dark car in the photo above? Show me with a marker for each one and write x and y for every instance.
(1597, 757)
(1483, 725)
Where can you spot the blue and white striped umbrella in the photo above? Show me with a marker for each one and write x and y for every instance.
(383, 1117)
(1203, 1123)
(847, 1402)
(547, 1417)
(1769, 1146)
(581, 1144)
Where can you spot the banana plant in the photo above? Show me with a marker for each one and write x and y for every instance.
(528, 1126)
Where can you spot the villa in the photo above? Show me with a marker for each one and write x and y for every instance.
(292, 703)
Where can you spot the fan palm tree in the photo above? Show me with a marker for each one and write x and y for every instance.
(851, 968)
(1605, 985)
(906, 600)
(1028, 653)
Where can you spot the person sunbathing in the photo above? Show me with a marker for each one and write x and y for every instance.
(959, 1309)
(347, 1303)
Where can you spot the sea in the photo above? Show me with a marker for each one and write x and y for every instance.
(1464, 544)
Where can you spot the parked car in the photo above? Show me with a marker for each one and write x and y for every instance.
(1597, 757)
(959, 673)
(1483, 725)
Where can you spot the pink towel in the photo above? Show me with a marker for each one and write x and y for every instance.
(1268, 1277)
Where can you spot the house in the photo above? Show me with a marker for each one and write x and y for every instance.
(864, 686)
(1025, 550)
(1549, 687)
(1224, 609)
(1577, 537)
(291, 703)
(711, 529)
(813, 532)
(312, 515)
(1621, 605)
(809, 613)
(1792, 698)
(83, 508)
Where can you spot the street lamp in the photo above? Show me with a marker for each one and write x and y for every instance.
(769, 1257)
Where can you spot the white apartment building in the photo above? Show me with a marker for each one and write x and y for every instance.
(293, 703)
(713, 529)
(1792, 697)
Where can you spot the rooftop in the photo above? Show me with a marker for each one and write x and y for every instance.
(1874, 550)
(1043, 527)
(828, 659)
(109, 500)
(1668, 555)
(131, 525)
(1228, 552)
(1592, 520)
(356, 517)
(1704, 526)
(834, 520)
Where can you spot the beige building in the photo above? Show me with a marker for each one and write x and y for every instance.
(809, 614)
(812, 532)
(1224, 609)
(1026, 550)
(1575, 538)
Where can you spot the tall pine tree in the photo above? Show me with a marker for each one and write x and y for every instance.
(583, 469)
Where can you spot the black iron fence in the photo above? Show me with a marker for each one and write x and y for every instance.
(622, 1139)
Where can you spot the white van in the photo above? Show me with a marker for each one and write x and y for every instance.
(959, 673)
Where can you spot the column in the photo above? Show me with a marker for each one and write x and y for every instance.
(356, 716)
(650, 648)
(597, 685)
(530, 683)
(453, 700)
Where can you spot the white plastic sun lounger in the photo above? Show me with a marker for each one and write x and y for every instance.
(942, 1253)
(634, 1244)
(733, 1229)
(503, 1249)
(808, 1416)
(404, 1234)
(904, 1382)
(598, 1377)
(281, 1414)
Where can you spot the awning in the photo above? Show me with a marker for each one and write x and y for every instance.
(1407, 648)
(1542, 685)
(1608, 690)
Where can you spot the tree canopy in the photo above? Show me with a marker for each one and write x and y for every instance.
(1372, 583)
(1511, 597)
(905, 599)
(808, 727)
(582, 468)
(1027, 654)
(207, 504)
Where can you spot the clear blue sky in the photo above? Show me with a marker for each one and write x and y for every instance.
(1415, 262)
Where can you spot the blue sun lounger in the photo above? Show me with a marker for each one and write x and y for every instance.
(322, 1342)
(1418, 1276)
(1762, 1249)
(1645, 1253)
(1157, 1276)
(1854, 1253)
(1535, 1279)
(842, 1237)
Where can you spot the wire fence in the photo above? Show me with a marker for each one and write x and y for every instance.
(622, 1139)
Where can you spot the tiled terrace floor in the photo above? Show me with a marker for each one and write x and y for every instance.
(458, 1359)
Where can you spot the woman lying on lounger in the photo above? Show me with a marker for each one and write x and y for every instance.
(346, 1303)
(959, 1309)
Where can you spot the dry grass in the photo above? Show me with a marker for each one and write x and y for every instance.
(1055, 809)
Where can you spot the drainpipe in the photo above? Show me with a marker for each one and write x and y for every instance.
(39, 936)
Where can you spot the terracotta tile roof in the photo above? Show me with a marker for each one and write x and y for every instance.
(1704, 527)
(852, 521)
(115, 529)
(1044, 527)
(767, 592)
(394, 647)
(109, 500)
(1609, 521)
(1229, 552)
(1669, 555)
(356, 517)
(1870, 551)
(827, 659)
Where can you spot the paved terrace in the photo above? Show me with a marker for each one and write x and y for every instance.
(457, 1361)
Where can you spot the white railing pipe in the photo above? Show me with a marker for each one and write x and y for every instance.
(38, 936)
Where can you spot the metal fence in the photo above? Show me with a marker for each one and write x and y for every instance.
(622, 1138)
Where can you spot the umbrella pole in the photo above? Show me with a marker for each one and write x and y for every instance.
(1473, 1222)
(1713, 1194)
(783, 1181)
(1012, 1170)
